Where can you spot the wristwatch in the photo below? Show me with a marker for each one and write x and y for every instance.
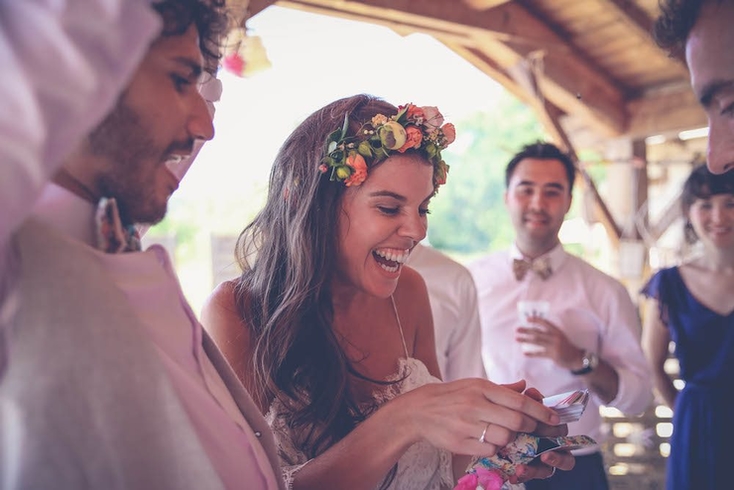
(589, 362)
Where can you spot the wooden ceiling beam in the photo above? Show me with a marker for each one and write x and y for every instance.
(484, 4)
(507, 33)
(665, 112)
(569, 86)
(633, 16)
(638, 20)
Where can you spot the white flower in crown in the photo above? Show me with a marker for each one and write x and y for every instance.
(379, 120)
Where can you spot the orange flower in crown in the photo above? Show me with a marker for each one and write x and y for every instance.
(359, 170)
(349, 158)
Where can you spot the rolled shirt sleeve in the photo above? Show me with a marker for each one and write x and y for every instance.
(621, 349)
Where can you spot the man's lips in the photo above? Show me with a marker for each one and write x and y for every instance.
(535, 219)
(175, 165)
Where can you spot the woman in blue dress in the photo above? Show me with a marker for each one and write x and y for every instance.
(693, 305)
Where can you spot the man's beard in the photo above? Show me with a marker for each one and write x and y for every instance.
(125, 143)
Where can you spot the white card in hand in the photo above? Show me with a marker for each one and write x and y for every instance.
(569, 406)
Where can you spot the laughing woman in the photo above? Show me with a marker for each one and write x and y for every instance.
(333, 335)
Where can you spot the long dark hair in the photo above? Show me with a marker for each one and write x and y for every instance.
(288, 256)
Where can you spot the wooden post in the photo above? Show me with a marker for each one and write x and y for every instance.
(640, 183)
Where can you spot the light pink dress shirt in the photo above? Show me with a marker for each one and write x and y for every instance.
(61, 75)
(593, 309)
(150, 283)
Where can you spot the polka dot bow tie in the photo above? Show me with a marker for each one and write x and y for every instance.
(540, 266)
(112, 236)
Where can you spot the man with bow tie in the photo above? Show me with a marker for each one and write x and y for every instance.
(590, 337)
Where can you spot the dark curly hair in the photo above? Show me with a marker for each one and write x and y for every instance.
(211, 21)
(677, 18)
(542, 151)
(702, 184)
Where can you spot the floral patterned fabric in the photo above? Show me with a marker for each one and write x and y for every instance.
(522, 450)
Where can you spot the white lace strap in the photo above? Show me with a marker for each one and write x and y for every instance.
(400, 326)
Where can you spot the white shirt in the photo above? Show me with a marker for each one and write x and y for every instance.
(455, 315)
(593, 309)
(148, 280)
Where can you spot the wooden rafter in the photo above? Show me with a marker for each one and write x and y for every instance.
(507, 33)
(673, 109)
(483, 4)
(637, 19)
(496, 35)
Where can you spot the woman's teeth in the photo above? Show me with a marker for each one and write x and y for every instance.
(393, 255)
(391, 259)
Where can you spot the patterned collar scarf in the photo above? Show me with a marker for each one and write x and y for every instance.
(112, 236)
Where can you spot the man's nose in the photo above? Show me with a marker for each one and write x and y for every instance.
(200, 123)
(536, 200)
(720, 144)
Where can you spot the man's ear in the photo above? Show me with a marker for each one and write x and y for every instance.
(505, 197)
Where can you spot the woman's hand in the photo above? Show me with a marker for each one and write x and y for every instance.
(471, 416)
(545, 429)
(544, 467)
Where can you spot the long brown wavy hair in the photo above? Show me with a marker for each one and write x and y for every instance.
(288, 257)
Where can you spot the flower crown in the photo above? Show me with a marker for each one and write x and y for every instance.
(420, 128)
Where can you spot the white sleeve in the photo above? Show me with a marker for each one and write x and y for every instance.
(464, 356)
(621, 348)
(64, 64)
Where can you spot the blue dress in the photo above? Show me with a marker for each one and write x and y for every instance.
(703, 425)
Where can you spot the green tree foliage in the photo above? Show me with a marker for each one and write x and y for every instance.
(468, 215)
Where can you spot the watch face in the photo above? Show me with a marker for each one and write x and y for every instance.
(588, 363)
(591, 360)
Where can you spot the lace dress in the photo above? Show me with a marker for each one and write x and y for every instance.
(422, 466)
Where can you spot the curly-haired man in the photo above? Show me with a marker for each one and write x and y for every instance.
(107, 380)
(702, 30)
